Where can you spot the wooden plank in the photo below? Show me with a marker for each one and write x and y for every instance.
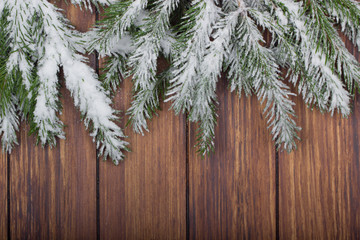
(232, 192)
(145, 196)
(3, 196)
(319, 182)
(53, 192)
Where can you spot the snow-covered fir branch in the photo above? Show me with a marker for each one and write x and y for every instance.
(320, 53)
(47, 102)
(20, 19)
(215, 37)
(143, 62)
(40, 41)
(9, 125)
(347, 14)
(254, 66)
(107, 37)
(9, 122)
(198, 25)
(210, 68)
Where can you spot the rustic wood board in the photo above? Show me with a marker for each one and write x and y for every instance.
(232, 192)
(145, 196)
(319, 182)
(53, 192)
(3, 195)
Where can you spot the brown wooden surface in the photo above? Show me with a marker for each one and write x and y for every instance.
(53, 192)
(145, 197)
(3, 196)
(232, 192)
(319, 183)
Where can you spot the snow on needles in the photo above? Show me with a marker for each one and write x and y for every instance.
(45, 37)
(200, 39)
(205, 38)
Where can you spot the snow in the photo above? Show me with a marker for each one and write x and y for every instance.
(123, 46)
(54, 46)
(218, 38)
(143, 61)
(21, 11)
(192, 56)
(167, 44)
(282, 18)
(2, 5)
(9, 124)
(340, 97)
(135, 9)
(141, 16)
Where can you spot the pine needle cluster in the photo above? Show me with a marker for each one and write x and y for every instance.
(36, 41)
(203, 39)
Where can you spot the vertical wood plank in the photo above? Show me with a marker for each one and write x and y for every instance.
(78, 154)
(53, 192)
(232, 192)
(3, 196)
(33, 192)
(145, 196)
(319, 182)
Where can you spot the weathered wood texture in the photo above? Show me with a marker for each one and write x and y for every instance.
(319, 183)
(3, 196)
(232, 192)
(53, 192)
(145, 197)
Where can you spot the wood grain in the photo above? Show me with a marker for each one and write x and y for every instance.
(319, 183)
(3, 195)
(145, 196)
(232, 192)
(53, 192)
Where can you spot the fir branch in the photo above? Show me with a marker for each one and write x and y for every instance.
(88, 94)
(94, 105)
(323, 27)
(20, 22)
(216, 36)
(145, 103)
(320, 56)
(229, 6)
(205, 101)
(143, 62)
(198, 23)
(9, 124)
(347, 14)
(114, 71)
(49, 126)
(259, 67)
(189, 91)
(106, 36)
(41, 40)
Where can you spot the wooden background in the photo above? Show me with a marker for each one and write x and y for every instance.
(164, 190)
